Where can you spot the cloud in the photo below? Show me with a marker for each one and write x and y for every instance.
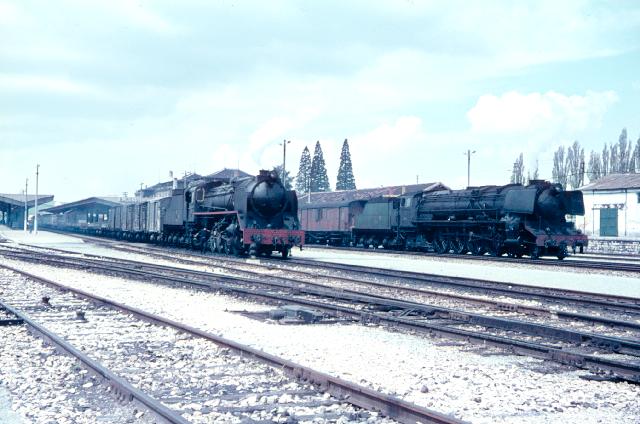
(47, 83)
(515, 112)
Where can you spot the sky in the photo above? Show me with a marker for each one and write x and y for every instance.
(109, 95)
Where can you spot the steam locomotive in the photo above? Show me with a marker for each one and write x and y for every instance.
(253, 214)
(513, 219)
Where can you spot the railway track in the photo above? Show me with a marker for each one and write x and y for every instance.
(184, 374)
(612, 355)
(625, 264)
(624, 319)
(557, 299)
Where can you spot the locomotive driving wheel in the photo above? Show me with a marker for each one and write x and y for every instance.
(535, 252)
(441, 246)
(226, 247)
(495, 248)
(476, 247)
(458, 246)
(563, 252)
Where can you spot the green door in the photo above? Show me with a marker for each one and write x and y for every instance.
(609, 222)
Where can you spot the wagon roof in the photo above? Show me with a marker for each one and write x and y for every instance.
(344, 197)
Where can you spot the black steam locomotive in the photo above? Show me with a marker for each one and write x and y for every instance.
(253, 214)
(513, 219)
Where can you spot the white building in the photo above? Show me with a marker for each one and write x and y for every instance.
(612, 207)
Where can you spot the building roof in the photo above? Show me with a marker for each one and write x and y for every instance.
(18, 199)
(227, 174)
(346, 196)
(614, 182)
(224, 175)
(101, 201)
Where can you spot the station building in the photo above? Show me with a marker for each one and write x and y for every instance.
(612, 207)
(90, 212)
(612, 214)
(12, 207)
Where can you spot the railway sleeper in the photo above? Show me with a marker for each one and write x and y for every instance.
(8, 322)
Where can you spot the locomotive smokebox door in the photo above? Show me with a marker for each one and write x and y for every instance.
(268, 197)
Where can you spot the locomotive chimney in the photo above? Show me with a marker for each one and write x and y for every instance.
(264, 175)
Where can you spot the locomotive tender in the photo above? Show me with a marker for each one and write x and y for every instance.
(513, 219)
(253, 214)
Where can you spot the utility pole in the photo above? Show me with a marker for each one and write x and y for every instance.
(284, 161)
(26, 209)
(469, 153)
(35, 220)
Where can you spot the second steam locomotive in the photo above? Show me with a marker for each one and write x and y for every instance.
(513, 219)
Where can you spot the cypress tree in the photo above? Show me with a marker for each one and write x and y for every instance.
(346, 180)
(319, 179)
(304, 172)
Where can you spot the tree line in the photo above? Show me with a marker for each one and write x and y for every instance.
(569, 163)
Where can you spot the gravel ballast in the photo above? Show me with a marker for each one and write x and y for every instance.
(471, 382)
(44, 386)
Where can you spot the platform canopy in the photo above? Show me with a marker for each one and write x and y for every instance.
(90, 202)
(7, 200)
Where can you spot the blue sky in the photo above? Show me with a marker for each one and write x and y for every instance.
(106, 95)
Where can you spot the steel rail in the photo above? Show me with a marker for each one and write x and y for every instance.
(541, 292)
(352, 393)
(628, 304)
(598, 265)
(120, 386)
(615, 344)
(625, 267)
(629, 372)
(607, 300)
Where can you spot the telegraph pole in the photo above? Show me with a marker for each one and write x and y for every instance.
(35, 220)
(26, 210)
(284, 161)
(469, 153)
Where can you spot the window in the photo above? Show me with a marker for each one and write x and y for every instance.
(638, 193)
(318, 214)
